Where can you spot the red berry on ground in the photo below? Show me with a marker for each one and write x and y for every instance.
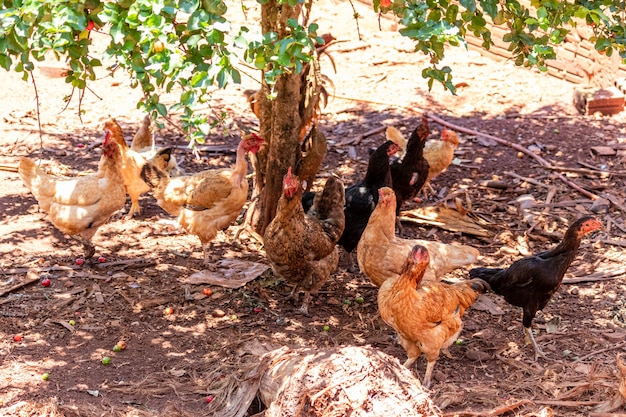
(209, 399)
(102, 259)
(46, 282)
(17, 338)
(79, 261)
(169, 310)
(257, 310)
(207, 291)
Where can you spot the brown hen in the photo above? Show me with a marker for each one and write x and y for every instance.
(301, 247)
(439, 154)
(381, 254)
(208, 201)
(79, 206)
(425, 315)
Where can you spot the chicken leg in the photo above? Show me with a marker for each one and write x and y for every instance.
(88, 248)
(531, 339)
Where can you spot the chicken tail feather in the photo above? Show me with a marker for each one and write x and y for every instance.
(486, 274)
(152, 175)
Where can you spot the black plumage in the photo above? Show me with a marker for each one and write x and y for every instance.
(531, 282)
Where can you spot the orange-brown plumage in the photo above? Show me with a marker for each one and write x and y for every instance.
(427, 316)
(381, 254)
(439, 154)
(79, 206)
(208, 201)
(301, 247)
(132, 162)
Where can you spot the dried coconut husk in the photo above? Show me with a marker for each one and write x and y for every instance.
(355, 381)
(619, 398)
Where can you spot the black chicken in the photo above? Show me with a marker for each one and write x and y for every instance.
(530, 282)
(410, 173)
(362, 197)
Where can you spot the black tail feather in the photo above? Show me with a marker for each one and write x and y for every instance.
(152, 175)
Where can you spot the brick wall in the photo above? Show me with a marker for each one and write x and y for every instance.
(577, 61)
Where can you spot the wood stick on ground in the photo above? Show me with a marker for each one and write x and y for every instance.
(492, 413)
(588, 171)
(528, 180)
(515, 146)
(8, 168)
(567, 403)
(582, 358)
(357, 139)
(549, 197)
(31, 276)
(618, 273)
(607, 415)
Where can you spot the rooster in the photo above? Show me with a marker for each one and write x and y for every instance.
(79, 206)
(425, 315)
(361, 198)
(409, 173)
(301, 247)
(381, 254)
(531, 282)
(208, 201)
(439, 154)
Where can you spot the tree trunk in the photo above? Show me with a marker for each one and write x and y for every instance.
(279, 125)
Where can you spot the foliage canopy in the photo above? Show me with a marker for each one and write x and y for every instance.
(190, 44)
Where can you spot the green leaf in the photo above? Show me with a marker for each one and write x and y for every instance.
(189, 6)
(161, 109)
(197, 20)
(470, 5)
(490, 7)
(5, 61)
(117, 32)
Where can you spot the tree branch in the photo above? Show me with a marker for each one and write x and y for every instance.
(517, 147)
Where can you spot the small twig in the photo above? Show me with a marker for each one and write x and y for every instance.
(517, 147)
(528, 180)
(587, 171)
(567, 403)
(582, 358)
(68, 101)
(615, 202)
(174, 125)
(32, 76)
(8, 168)
(356, 19)
(495, 412)
(595, 277)
(357, 139)
(613, 242)
(30, 278)
(93, 92)
(607, 415)
(549, 197)
(81, 95)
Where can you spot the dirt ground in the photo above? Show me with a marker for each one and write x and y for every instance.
(172, 360)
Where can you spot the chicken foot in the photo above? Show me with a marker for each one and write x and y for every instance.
(208, 259)
(304, 308)
(295, 296)
(134, 208)
(88, 248)
(531, 339)
(430, 366)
